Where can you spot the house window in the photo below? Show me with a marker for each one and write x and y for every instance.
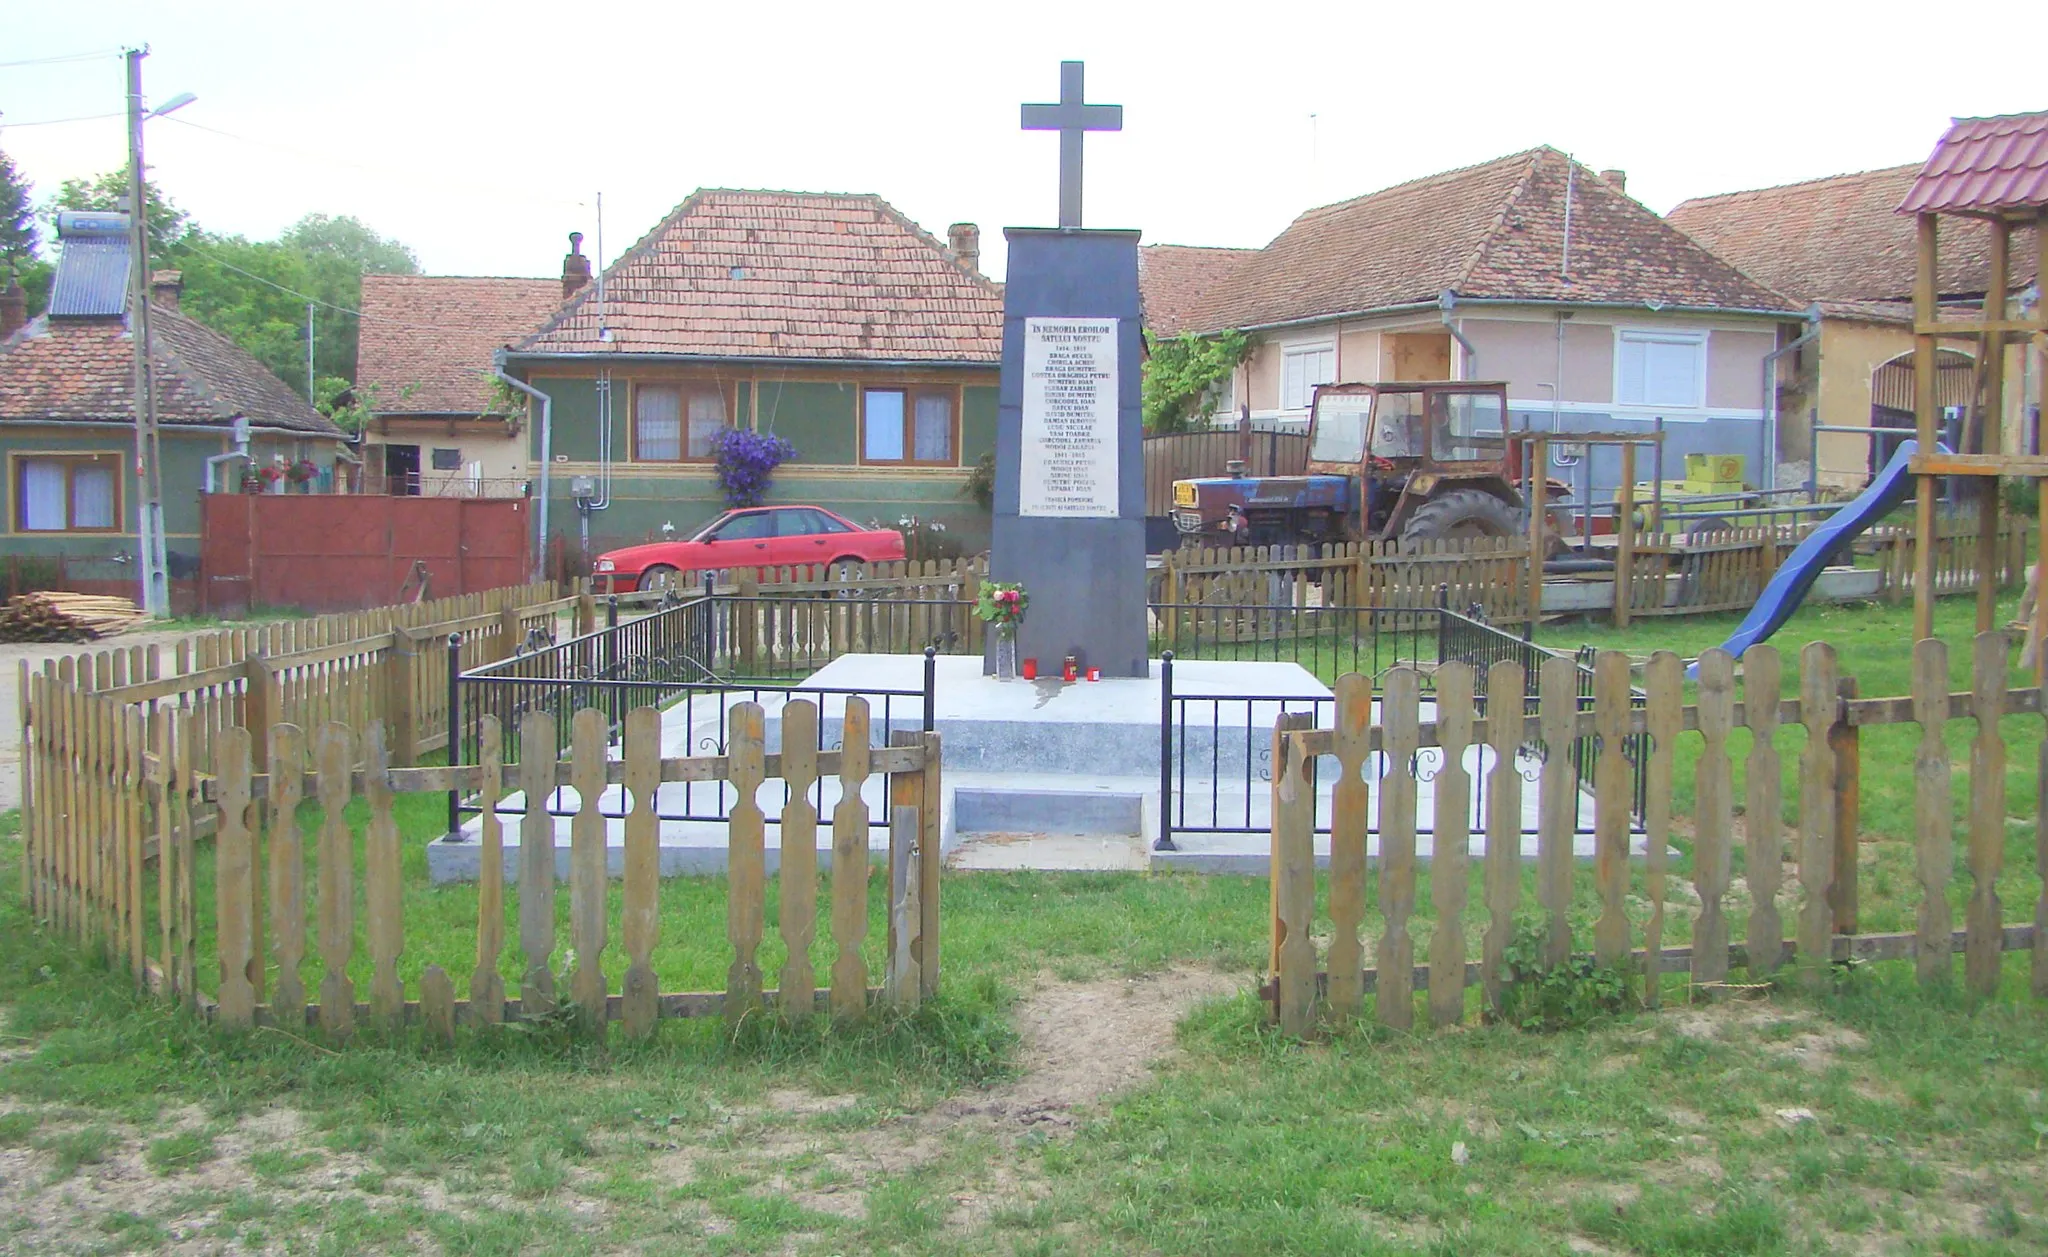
(907, 426)
(672, 422)
(447, 460)
(67, 493)
(1659, 368)
(1301, 370)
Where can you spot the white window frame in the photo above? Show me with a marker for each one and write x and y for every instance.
(1695, 337)
(1289, 352)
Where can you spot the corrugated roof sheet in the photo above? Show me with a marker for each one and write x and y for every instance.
(1985, 165)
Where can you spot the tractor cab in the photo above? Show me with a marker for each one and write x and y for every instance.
(1430, 459)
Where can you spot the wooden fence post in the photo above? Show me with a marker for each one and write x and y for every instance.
(1625, 538)
(399, 683)
(259, 708)
(1846, 740)
(1538, 491)
(1819, 708)
(1294, 858)
(1983, 945)
(509, 635)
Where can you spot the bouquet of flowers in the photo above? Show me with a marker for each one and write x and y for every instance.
(272, 473)
(1001, 604)
(301, 471)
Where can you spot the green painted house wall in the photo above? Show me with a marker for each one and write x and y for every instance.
(819, 416)
(91, 556)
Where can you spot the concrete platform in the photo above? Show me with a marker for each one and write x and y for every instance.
(1041, 775)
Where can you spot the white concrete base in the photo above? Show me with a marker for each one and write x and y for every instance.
(1051, 772)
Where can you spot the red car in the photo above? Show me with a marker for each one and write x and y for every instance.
(757, 537)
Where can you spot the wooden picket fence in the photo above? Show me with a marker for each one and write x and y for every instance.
(389, 664)
(1822, 842)
(1489, 572)
(110, 800)
(1955, 555)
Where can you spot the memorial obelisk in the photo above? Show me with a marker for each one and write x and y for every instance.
(1070, 499)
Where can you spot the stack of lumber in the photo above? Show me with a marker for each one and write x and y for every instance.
(50, 616)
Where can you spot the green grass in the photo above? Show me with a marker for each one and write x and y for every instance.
(1639, 1133)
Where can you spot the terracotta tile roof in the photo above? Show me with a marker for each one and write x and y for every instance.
(426, 338)
(749, 274)
(1174, 280)
(1840, 239)
(1491, 231)
(78, 370)
(1985, 164)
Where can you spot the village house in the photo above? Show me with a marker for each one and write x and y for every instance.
(1840, 245)
(830, 320)
(67, 419)
(435, 423)
(1530, 269)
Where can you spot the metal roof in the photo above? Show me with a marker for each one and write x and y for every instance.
(92, 272)
(1985, 166)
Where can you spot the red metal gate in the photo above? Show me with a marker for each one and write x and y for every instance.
(333, 552)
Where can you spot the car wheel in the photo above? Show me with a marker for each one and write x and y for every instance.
(661, 579)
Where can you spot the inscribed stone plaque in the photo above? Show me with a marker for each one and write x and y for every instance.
(1069, 463)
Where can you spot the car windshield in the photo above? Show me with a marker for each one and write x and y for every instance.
(1339, 427)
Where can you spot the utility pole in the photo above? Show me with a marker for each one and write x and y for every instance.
(309, 353)
(156, 586)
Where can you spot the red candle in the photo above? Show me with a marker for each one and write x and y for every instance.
(1031, 669)
(1095, 674)
(1068, 670)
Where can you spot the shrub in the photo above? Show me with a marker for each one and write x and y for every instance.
(1537, 996)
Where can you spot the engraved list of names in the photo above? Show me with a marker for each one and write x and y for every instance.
(1069, 457)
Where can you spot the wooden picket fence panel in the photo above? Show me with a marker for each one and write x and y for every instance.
(1488, 572)
(796, 619)
(1821, 844)
(1955, 555)
(107, 799)
(389, 665)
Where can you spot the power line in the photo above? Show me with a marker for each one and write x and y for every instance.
(75, 56)
(51, 122)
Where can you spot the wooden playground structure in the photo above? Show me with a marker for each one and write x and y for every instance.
(1980, 170)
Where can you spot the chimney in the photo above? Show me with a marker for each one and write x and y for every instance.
(164, 287)
(963, 241)
(13, 307)
(1616, 179)
(575, 267)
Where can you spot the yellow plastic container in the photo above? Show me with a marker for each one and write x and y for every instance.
(1714, 469)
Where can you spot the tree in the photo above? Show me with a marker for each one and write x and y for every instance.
(255, 292)
(1182, 373)
(19, 239)
(109, 191)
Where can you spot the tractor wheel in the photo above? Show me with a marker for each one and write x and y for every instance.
(1460, 513)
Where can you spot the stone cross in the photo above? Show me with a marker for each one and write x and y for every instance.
(1072, 119)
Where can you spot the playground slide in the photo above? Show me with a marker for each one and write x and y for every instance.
(1796, 576)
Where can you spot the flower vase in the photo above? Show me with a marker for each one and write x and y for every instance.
(1006, 653)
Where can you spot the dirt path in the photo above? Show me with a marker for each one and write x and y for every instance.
(73, 1175)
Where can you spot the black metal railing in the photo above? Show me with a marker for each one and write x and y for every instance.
(1328, 641)
(772, 637)
(1216, 750)
(667, 660)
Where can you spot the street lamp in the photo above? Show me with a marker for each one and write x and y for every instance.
(156, 581)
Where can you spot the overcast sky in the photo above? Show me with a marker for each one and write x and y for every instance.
(482, 140)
